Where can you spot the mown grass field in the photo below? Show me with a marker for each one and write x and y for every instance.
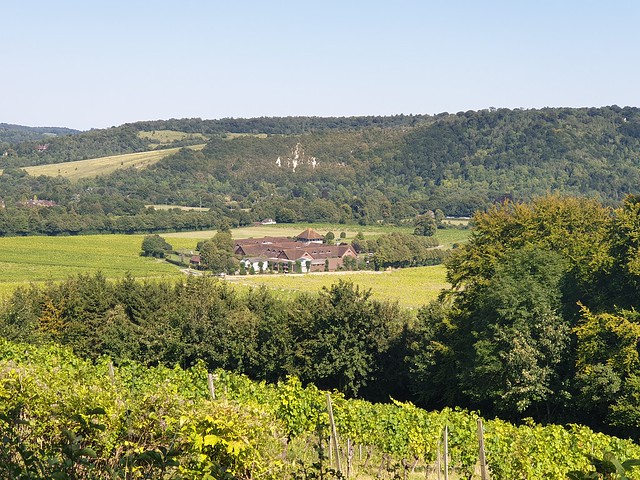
(103, 165)
(410, 287)
(164, 137)
(181, 207)
(293, 229)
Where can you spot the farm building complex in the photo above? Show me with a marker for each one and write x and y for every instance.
(304, 253)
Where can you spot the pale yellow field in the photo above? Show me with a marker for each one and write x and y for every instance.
(231, 136)
(168, 136)
(293, 229)
(103, 165)
(411, 287)
(446, 237)
(181, 207)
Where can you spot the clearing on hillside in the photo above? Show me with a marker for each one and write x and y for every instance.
(165, 137)
(103, 165)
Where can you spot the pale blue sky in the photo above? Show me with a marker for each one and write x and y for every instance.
(92, 64)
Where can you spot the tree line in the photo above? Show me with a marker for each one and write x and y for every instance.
(335, 339)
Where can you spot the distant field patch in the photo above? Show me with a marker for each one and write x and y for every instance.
(180, 207)
(446, 237)
(164, 137)
(293, 229)
(103, 165)
(231, 136)
(41, 259)
(411, 287)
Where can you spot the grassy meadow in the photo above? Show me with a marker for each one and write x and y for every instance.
(165, 137)
(103, 165)
(410, 287)
(42, 259)
(184, 208)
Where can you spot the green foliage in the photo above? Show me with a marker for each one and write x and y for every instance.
(329, 238)
(161, 423)
(17, 133)
(520, 337)
(609, 467)
(398, 250)
(155, 246)
(341, 335)
(425, 225)
(510, 337)
(217, 253)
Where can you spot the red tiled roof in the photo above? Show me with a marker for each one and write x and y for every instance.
(309, 234)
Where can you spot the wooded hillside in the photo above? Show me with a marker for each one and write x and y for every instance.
(360, 169)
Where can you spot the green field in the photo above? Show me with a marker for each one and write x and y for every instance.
(40, 259)
(103, 165)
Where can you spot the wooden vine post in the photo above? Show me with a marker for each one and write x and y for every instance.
(438, 466)
(112, 374)
(212, 388)
(484, 473)
(334, 434)
(446, 453)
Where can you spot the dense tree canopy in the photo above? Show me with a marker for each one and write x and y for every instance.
(533, 324)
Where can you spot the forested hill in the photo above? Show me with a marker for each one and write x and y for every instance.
(10, 133)
(458, 163)
(21, 144)
(364, 169)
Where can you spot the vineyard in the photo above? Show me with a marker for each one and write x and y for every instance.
(63, 417)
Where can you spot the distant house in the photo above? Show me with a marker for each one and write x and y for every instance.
(268, 221)
(195, 261)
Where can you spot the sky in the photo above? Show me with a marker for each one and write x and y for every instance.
(98, 63)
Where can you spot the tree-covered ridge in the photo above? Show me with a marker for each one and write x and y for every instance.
(91, 144)
(458, 163)
(12, 134)
(280, 125)
(347, 170)
(21, 143)
(523, 153)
